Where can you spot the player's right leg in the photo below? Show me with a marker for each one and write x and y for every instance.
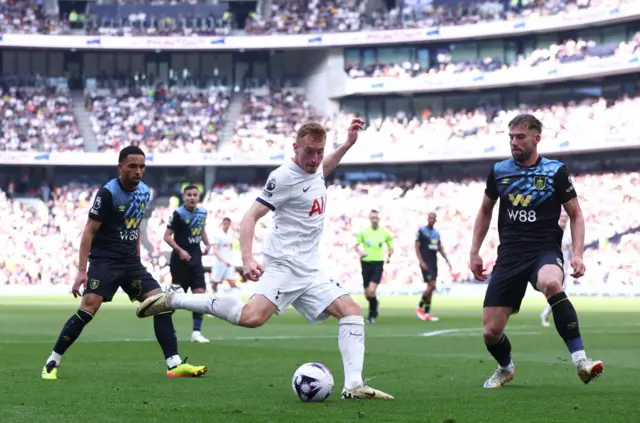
(269, 299)
(424, 308)
(198, 286)
(503, 298)
(101, 286)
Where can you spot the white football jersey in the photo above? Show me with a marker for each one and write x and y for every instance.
(298, 200)
(224, 241)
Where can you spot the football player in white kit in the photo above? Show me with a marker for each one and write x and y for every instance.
(222, 270)
(291, 273)
(567, 243)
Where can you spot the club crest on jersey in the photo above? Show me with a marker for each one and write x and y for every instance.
(271, 184)
(142, 206)
(539, 182)
(122, 208)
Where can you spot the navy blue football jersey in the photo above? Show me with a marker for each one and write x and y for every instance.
(531, 199)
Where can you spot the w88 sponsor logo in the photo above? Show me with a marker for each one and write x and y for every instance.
(522, 215)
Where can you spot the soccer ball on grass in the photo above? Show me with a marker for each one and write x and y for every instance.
(312, 382)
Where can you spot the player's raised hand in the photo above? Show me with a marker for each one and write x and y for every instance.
(81, 281)
(578, 267)
(476, 265)
(356, 126)
(252, 270)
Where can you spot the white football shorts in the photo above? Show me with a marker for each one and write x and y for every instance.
(309, 294)
(220, 272)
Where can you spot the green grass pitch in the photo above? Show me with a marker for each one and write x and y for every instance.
(116, 372)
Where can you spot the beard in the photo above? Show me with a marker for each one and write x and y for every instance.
(524, 155)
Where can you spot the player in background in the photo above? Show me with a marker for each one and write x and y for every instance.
(427, 245)
(532, 191)
(111, 245)
(291, 275)
(222, 269)
(566, 259)
(185, 232)
(373, 240)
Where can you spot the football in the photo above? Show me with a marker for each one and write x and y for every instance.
(312, 382)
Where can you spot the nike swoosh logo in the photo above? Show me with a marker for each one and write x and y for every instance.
(306, 189)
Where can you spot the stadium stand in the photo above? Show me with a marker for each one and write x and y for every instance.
(160, 121)
(125, 104)
(57, 222)
(38, 119)
(571, 51)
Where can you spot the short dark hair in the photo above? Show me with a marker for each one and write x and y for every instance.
(226, 219)
(531, 122)
(373, 211)
(189, 187)
(130, 150)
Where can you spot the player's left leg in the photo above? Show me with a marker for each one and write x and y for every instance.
(139, 285)
(372, 275)
(324, 298)
(544, 316)
(548, 279)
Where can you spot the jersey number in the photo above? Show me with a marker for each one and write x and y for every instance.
(522, 215)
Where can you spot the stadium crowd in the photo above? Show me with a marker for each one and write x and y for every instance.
(268, 121)
(173, 122)
(284, 17)
(159, 120)
(28, 17)
(571, 51)
(37, 120)
(40, 236)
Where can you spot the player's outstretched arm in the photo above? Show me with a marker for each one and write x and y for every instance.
(332, 161)
(251, 268)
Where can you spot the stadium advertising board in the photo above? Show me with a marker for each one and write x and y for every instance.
(607, 142)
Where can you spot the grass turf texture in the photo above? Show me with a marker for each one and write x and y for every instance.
(115, 372)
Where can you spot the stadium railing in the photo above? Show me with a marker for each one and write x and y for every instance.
(562, 21)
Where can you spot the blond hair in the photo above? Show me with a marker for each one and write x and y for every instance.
(314, 129)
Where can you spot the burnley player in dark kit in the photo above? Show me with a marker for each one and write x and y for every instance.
(532, 191)
(110, 244)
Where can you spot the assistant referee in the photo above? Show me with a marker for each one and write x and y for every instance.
(373, 240)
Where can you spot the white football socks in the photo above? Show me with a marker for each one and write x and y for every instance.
(55, 357)
(173, 361)
(578, 356)
(351, 344)
(226, 308)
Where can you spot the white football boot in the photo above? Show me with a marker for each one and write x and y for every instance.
(589, 370)
(500, 377)
(197, 337)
